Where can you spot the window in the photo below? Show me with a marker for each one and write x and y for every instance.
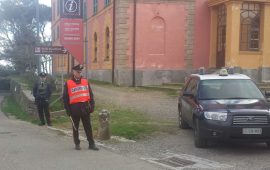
(95, 6)
(107, 2)
(229, 89)
(107, 48)
(250, 27)
(95, 48)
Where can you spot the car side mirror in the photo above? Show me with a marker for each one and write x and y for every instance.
(188, 94)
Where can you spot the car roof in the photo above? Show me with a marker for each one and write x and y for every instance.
(219, 77)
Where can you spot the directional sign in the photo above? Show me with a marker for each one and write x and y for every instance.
(50, 50)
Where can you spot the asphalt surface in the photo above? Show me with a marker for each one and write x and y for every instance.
(24, 146)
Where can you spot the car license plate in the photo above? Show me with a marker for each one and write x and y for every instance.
(252, 131)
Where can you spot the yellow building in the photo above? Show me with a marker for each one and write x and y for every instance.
(240, 36)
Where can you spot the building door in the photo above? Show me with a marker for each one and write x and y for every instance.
(221, 36)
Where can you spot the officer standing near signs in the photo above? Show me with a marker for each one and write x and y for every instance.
(42, 93)
(79, 103)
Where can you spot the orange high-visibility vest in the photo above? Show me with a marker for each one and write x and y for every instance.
(78, 92)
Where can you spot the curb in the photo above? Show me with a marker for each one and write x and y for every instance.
(98, 143)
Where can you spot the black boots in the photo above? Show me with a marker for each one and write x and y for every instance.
(77, 147)
(93, 147)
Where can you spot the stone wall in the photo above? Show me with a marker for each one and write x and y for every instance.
(24, 97)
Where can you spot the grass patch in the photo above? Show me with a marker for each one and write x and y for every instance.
(25, 80)
(131, 124)
(102, 83)
(56, 103)
(124, 122)
(60, 120)
(11, 107)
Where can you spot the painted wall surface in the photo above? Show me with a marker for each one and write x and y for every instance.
(160, 36)
(266, 33)
(245, 59)
(98, 24)
(202, 35)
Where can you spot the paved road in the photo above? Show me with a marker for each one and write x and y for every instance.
(24, 146)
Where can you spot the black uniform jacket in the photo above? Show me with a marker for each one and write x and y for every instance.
(66, 96)
(47, 93)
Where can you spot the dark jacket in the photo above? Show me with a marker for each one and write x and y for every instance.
(47, 93)
(66, 97)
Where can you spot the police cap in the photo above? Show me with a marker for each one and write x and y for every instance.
(78, 67)
(42, 74)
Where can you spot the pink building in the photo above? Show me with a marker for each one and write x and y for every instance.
(145, 42)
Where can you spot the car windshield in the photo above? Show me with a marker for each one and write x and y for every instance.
(228, 89)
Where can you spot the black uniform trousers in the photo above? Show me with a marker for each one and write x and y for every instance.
(80, 111)
(43, 110)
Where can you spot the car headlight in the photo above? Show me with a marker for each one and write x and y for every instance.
(220, 116)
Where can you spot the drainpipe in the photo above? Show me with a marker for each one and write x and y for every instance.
(86, 41)
(68, 66)
(134, 44)
(113, 47)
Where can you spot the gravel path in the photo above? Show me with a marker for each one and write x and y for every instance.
(153, 103)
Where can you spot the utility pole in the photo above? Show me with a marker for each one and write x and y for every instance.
(37, 20)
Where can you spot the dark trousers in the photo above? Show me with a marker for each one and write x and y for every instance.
(43, 110)
(80, 112)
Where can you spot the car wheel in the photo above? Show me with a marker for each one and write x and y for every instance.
(199, 141)
(182, 124)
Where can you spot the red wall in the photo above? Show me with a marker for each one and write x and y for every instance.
(160, 36)
(201, 35)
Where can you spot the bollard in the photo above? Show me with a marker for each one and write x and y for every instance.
(104, 125)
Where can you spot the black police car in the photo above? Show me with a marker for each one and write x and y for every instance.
(224, 107)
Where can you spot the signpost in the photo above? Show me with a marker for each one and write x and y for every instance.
(50, 50)
(71, 27)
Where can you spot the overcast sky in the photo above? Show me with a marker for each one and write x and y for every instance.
(46, 2)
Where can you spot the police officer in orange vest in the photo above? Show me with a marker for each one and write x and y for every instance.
(79, 103)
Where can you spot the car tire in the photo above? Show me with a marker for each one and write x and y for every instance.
(199, 141)
(182, 124)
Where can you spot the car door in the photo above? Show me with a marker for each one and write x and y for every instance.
(189, 101)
